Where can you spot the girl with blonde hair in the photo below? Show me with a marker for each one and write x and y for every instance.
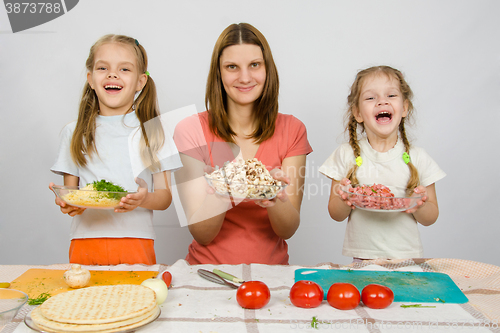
(120, 139)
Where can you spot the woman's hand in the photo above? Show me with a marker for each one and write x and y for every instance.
(211, 191)
(418, 191)
(65, 208)
(277, 174)
(133, 200)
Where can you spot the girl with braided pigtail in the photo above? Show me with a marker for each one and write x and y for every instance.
(379, 152)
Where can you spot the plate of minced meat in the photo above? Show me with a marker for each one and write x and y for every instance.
(379, 198)
(98, 195)
(244, 179)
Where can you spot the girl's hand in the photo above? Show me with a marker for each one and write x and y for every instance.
(133, 200)
(342, 195)
(420, 191)
(277, 174)
(65, 208)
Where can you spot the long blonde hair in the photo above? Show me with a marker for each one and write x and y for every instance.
(352, 124)
(145, 106)
(266, 106)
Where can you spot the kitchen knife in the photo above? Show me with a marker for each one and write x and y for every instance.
(210, 276)
(228, 276)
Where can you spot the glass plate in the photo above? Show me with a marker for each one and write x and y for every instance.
(382, 204)
(29, 322)
(383, 210)
(243, 191)
(74, 196)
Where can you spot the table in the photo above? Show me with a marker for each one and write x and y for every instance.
(197, 305)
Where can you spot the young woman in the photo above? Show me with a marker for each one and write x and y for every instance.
(242, 103)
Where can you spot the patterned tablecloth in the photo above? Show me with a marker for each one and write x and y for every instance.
(197, 305)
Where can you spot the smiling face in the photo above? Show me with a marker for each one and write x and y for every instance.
(115, 78)
(381, 107)
(243, 74)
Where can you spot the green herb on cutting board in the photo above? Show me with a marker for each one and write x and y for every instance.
(417, 306)
(39, 300)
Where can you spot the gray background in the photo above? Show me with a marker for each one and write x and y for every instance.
(448, 50)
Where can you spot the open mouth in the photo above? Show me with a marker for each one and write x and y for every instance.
(111, 87)
(383, 116)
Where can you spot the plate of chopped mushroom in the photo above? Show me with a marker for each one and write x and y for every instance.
(245, 179)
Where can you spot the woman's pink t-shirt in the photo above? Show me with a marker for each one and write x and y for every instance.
(246, 235)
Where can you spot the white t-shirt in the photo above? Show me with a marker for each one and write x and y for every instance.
(117, 161)
(372, 235)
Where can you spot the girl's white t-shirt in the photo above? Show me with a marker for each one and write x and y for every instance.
(117, 161)
(371, 235)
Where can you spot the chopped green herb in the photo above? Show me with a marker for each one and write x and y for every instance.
(39, 300)
(417, 306)
(314, 322)
(103, 185)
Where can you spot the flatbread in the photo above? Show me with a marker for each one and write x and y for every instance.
(99, 304)
(54, 326)
(119, 326)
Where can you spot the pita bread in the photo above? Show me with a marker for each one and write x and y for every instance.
(99, 304)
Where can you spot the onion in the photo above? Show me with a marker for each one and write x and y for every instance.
(159, 287)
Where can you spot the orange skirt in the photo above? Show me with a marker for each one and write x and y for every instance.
(112, 251)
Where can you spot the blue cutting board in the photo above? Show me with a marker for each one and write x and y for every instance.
(422, 287)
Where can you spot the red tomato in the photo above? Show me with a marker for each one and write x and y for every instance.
(343, 296)
(253, 295)
(306, 294)
(377, 296)
(167, 278)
